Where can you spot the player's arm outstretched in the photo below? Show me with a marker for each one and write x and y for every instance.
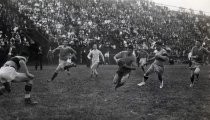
(58, 48)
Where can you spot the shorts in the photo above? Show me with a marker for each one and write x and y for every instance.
(122, 71)
(7, 74)
(156, 68)
(62, 64)
(143, 61)
(94, 64)
(195, 65)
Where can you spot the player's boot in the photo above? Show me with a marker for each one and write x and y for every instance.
(119, 85)
(28, 101)
(141, 83)
(191, 85)
(96, 75)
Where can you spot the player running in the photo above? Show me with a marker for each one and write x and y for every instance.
(65, 51)
(9, 73)
(157, 66)
(126, 62)
(197, 60)
(94, 57)
(143, 55)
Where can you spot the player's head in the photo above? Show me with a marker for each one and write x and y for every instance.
(158, 45)
(65, 42)
(197, 43)
(130, 49)
(94, 46)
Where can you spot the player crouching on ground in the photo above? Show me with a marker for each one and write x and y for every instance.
(126, 62)
(197, 60)
(94, 55)
(158, 65)
(9, 74)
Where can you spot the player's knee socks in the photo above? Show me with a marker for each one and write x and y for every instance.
(28, 89)
(7, 86)
(142, 67)
(145, 77)
(192, 78)
(54, 75)
(190, 63)
(160, 78)
(119, 78)
(197, 75)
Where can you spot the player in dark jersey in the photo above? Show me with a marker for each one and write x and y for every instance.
(126, 62)
(197, 60)
(65, 51)
(9, 74)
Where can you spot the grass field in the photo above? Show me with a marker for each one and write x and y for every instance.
(79, 97)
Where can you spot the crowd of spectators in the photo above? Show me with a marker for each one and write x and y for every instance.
(13, 39)
(112, 23)
(116, 22)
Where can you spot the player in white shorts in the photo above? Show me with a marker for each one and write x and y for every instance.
(9, 74)
(158, 65)
(63, 57)
(94, 57)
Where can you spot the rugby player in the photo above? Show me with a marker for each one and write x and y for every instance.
(157, 66)
(9, 74)
(65, 51)
(126, 62)
(94, 57)
(197, 60)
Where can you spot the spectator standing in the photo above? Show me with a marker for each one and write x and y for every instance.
(39, 58)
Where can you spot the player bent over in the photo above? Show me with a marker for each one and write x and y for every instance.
(9, 74)
(197, 60)
(94, 57)
(126, 62)
(63, 57)
(158, 65)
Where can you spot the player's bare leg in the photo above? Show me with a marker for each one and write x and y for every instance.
(194, 74)
(146, 76)
(22, 77)
(55, 74)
